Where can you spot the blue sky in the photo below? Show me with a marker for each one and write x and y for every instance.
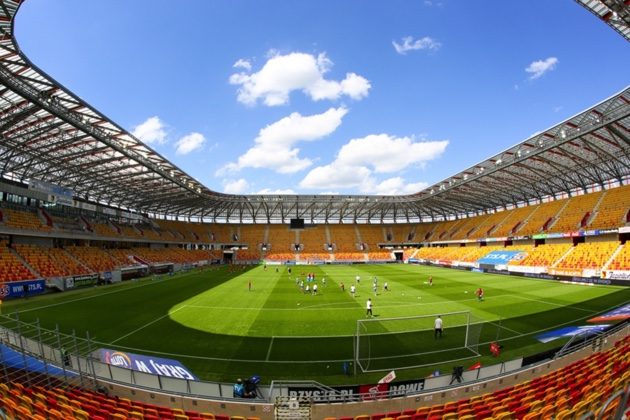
(312, 97)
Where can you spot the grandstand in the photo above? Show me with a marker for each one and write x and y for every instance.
(561, 198)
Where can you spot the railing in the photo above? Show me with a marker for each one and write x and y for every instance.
(33, 353)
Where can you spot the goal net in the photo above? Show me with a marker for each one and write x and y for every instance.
(409, 342)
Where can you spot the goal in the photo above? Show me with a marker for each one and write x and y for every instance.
(409, 342)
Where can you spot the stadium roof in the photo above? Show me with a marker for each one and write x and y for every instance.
(47, 133)
(616, 13)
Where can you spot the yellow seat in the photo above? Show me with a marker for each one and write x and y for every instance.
(136, 415)
(362, 417)
(532, 416)
(53, 414)
(81, 415)
(564, 415)
(208, 416)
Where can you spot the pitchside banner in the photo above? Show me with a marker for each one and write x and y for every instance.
(16, 289)
(501, 257)
(147, 364)
(369, 392)
(570, 331)
(619, 314)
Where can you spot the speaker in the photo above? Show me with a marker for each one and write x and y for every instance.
(297, 224)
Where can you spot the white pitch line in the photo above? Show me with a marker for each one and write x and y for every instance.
(269, 350)
(118, 290)
(504, 327)
(553, 304)
(145, 325)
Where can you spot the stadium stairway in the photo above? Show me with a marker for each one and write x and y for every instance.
(612, 257)
(559, 260)
(24, 262)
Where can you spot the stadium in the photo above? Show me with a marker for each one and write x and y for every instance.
(131, 290)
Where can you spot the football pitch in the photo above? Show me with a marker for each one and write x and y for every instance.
(215, 325)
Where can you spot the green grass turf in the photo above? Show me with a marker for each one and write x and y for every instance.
(212, 323)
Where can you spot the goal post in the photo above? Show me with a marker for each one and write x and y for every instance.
(408, 342)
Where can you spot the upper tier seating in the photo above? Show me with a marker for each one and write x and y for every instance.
(539, 219)
(514, 219)
(282, 239)
(576, 211)
(252, 235)
(23, 219)
(372, 235)
(344, 237)
(612, 210)
(313, 239)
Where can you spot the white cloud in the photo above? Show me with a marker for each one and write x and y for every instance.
(359, 160)
(237, 186)
(189, 143)
(242, 64)
(385, 153)
(540, 67)
(274, 147)
(409, 44)
(151, 131)
(335, 176)
(283, 74)
(276, 192)
(397, 186)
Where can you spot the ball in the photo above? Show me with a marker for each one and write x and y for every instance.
(466, 291)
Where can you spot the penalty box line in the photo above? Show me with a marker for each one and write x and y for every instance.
(269, 349)
(146, 325)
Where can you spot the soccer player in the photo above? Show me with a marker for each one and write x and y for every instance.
(385, 287)
(315, 289)
(438, 327)
(249, 286)
(368, 307)
(374, 288)
(308, 289)
(430, 280)
(343, 288)
(479, 293)
(352, 290)
(324, 281)
(358, 279)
